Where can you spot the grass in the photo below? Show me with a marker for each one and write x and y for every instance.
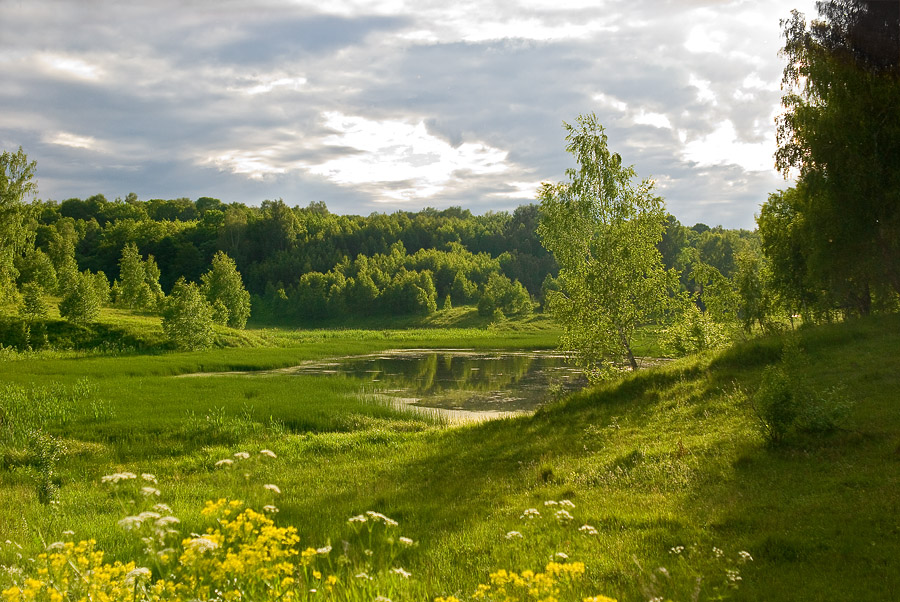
(667, 464)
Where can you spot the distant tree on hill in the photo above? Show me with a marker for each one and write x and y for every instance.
(224, 290)
(187, 317)
(81, 304)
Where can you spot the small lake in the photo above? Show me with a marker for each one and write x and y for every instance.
(459, 384)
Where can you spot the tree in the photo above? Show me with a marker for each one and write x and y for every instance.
(603, 229)
(187, 317)
(222, 284)
(33, 305)
(16, 182)
(134, 291)
(503, 295)
(841, 131)
(81, 304)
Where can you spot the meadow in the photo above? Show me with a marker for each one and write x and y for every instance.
(662, 483)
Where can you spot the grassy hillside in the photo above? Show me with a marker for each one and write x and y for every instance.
(670, 466)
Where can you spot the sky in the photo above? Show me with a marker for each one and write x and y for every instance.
(386, 105)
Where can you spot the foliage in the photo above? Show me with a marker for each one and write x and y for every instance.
(16, 182)
(33, 307)
(187, 318)
(81, 304)
(500, 294)
(603, 231)
(838, 230)
(223, 288)
(138, 280)
(695, 330)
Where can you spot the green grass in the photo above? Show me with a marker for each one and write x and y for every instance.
(667, 457)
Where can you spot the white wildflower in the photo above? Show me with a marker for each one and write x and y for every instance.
(718, 553)
(271, 487)
(745, 556)
(566, 504)
(359, 518)
(241, 455)
(363, 576)
(268, 452)
(561, 556)
(676, 550)
(224, 462)
(148, 515)
(531, 513)
(324, 550)
(563, 516)
(202, 544)
(135, 574)
(513, 535)
(67, 532)
(550, 503)
(131, 523)
(382, 599)
(663, 571)
(148, 491)
(57, 545)
(588, 530)
(270, 509)
(733, 575)
(150, 478)
(402, 572)
(406, 541)
(165, 521)
(118, 476)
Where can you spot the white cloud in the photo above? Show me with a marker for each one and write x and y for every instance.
(402, 159)
(610, 101)
(650, 118)
(73, 141)
(724, 147)
(704, 89)
(263, 84)
(71, 66)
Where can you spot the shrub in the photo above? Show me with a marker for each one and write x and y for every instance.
(187, 317)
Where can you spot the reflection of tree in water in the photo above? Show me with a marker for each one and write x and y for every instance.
(460, 379)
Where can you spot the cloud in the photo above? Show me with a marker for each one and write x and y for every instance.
(74, 141)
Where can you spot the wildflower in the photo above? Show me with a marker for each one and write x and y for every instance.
(362, 576)
(406, 541)
(162, 508)
(566, 504)
(241, 455)
(202, 544)
(130, 523)
(550, 503)
(359, 518)
(57, 545)
(663, 571)
(561, 555)
(676, 550)
(324, 550)
(135, 574)
(588, 530)
(165, 521)
(745, 556)
(389, 522)
(717, 552)
(224, 462)
(149, 477)
(563, 516)
(531, 513)
(382, 599)
(270, 509)
(733, 575)
(148, 491)
(272, 488)
(117, 476)
(268, 452)
(402, 572)
(513, 535)
(67, 532)
(147, 515)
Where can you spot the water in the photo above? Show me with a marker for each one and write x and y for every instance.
(458, 383)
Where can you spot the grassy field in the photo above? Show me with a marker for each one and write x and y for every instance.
(668, 467)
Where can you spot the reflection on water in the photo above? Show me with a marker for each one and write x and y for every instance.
(456, 379)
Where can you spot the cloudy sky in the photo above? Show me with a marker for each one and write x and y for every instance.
(392, 104)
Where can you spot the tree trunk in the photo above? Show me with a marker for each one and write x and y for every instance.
(631, 360)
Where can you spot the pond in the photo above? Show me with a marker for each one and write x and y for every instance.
(457, 384)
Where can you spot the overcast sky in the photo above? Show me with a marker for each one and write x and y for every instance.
(392, 104)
